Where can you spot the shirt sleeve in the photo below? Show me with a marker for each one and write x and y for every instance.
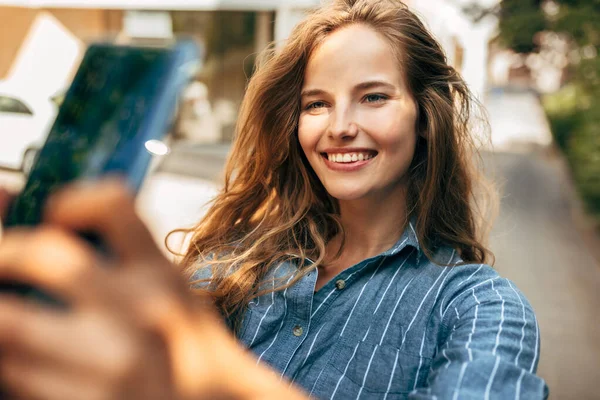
(490, 347)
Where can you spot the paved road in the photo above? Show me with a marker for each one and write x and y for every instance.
(538, 245)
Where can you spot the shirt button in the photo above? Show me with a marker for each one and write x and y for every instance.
(297, 330)
(340, 284)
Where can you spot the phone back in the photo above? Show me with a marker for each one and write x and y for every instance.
(121, 98)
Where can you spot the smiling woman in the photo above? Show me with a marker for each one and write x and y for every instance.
(344, 250)
(365, 111)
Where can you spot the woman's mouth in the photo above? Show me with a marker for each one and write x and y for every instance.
(348, 161)
(348, 158)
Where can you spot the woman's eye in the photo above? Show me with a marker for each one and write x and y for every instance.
(316, 104)
(375, 98)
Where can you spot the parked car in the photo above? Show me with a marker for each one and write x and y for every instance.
(25, 120)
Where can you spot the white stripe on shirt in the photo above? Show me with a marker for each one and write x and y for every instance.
(367, 372)
(390, 284)
(488, 388)
(524, 323)
(268, 308)
(360, 295)
(537, 343)
(392, 375)
(323, 302)
(282, 321)
(470, 289)
(345, 370)
(473, 328)
(459, 382)
(421, 305)
(394, 310)
(307, 354)
(420, 359)
(459, 285)
(334, 289)
(501, 320)
(518, 389)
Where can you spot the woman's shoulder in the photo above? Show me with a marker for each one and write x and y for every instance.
(466, 285)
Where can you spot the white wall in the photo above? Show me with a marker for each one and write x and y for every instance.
(447, 21)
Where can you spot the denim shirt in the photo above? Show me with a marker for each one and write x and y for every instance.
(397, 326)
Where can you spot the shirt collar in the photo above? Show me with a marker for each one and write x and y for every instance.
(408, 238)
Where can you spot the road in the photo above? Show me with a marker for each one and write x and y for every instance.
(535, 240)
(540, 247)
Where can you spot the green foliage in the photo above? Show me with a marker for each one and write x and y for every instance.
(575, 122)
(584, 157)
(574, 111)
(562, 109)
(520, 21)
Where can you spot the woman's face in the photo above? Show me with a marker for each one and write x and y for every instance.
(357, 124)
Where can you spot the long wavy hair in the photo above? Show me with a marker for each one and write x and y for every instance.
(273, 208)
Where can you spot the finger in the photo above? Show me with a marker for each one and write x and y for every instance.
(90, 343)
(107, 208)
(34, 381)
(52, 260)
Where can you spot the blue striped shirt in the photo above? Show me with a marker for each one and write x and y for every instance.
(397, 326)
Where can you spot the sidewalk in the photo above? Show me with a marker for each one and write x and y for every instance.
(539, 244)
(517, 120)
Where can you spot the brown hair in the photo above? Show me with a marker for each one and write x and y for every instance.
(273, 207)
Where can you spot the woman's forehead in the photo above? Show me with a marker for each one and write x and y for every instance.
(352, 55)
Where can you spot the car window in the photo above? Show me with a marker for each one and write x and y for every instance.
(12, 105)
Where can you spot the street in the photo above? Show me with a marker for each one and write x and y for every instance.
(538, 246)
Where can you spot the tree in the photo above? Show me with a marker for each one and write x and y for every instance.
(574, 112)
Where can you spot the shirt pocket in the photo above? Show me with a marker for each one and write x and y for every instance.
(374, 370)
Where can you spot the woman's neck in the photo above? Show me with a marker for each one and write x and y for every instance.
(370, 227)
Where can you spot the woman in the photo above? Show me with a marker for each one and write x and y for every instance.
(344, 250)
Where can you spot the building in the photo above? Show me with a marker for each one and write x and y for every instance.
(43, 40)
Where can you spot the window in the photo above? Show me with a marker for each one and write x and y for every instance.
(12, 105)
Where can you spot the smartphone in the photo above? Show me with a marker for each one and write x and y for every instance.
(122, 98)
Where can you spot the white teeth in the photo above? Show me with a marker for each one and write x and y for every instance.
(348, 157)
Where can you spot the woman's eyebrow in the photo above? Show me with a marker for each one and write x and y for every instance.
(373, 84)
(360, 87)
(312, 92)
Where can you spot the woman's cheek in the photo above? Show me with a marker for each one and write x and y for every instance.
(310, 129)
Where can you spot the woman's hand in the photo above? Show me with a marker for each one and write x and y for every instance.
(132, 329)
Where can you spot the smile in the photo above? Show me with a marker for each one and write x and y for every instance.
(348, 161)
(346, 158)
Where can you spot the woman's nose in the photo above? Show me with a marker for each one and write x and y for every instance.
(341, 124)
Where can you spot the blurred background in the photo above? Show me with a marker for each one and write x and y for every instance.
(534, 64)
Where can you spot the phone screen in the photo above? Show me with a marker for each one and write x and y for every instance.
(95, 130)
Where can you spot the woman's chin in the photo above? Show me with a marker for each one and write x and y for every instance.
(347, 194)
